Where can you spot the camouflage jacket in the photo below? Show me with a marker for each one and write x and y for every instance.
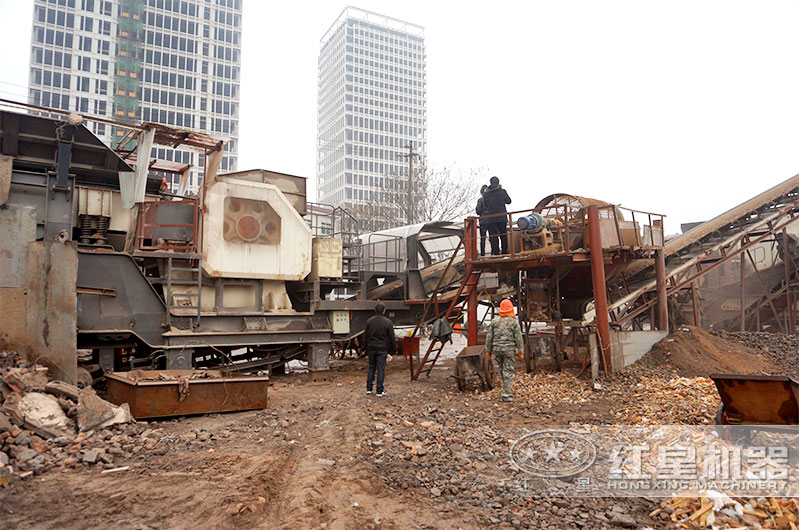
(504, 336)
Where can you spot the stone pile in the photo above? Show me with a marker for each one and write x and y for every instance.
(780, 348)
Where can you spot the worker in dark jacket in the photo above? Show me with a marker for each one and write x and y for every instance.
(494, 200)
(379, 342)
(483, 224)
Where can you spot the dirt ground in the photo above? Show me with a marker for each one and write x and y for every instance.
(325, 455)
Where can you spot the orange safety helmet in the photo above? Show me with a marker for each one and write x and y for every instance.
(506, 308)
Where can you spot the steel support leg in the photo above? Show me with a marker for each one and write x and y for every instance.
(661, 290)
(599, 286)
(471, 253)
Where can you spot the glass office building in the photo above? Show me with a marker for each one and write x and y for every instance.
(173, 62)
(370, 108)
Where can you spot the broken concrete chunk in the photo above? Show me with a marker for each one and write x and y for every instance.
(90, 456)
(42, 414)
(97, 413)
(5, 424)
(122, 414)
(24, 454)
(92, 410)
(22, 380)
(59, 388)
(23, 438)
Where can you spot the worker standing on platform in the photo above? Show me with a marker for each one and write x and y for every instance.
(495, 200)
(379, 341)
(483, 224)
(505, 341)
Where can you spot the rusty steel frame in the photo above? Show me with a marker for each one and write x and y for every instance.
(141, 225)
(775, 223)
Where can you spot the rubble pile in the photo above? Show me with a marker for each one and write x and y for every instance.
(51, 424)
(717, 510)
(780, 348)
(461, 461)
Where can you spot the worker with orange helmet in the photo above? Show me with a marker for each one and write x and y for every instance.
(504, 340)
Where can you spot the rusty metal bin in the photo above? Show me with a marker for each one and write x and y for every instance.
(164, 393)
(756, 399)
(473, 363)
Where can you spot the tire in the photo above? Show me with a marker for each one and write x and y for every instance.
(85, 379)
(721, 415)
(459, 381)
(490, 373)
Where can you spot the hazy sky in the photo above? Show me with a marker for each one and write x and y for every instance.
(680, 107)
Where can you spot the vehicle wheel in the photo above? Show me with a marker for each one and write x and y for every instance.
(84, 378)
(721, 420)
(490, 373)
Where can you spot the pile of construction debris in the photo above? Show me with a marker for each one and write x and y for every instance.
(780, 348)
(46, 424)
(637, 395)
(717, 510)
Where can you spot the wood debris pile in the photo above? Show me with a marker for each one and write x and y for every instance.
(679, 400)
(716, 510)
(635, 397)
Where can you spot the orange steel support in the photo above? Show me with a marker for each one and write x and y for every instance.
(599, 286)
(661, 291)
(471, 253)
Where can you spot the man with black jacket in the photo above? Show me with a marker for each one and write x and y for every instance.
(379, 342)
(494, 201)
(483, 224)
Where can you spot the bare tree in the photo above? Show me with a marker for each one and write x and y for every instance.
(447, 195)
(438, 195)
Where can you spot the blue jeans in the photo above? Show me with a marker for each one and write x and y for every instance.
(377, 359)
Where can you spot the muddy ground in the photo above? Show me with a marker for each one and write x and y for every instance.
(326, 455)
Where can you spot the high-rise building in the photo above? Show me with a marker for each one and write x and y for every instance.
(173, 62)
(370, 108)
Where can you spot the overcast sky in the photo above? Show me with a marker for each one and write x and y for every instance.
(680, 107)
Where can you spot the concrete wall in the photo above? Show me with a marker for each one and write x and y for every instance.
(53, 307)
(627, 347)
(38, 302)
(17, 230)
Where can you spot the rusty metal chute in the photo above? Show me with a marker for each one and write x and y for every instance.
(567, 207)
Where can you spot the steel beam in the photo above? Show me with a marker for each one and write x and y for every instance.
(661, 291)
(471, 253)
(599, 286)
(683, 283)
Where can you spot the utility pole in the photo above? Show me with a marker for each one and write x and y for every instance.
(411, 154)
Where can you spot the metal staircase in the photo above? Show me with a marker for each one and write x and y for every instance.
(453, 312)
